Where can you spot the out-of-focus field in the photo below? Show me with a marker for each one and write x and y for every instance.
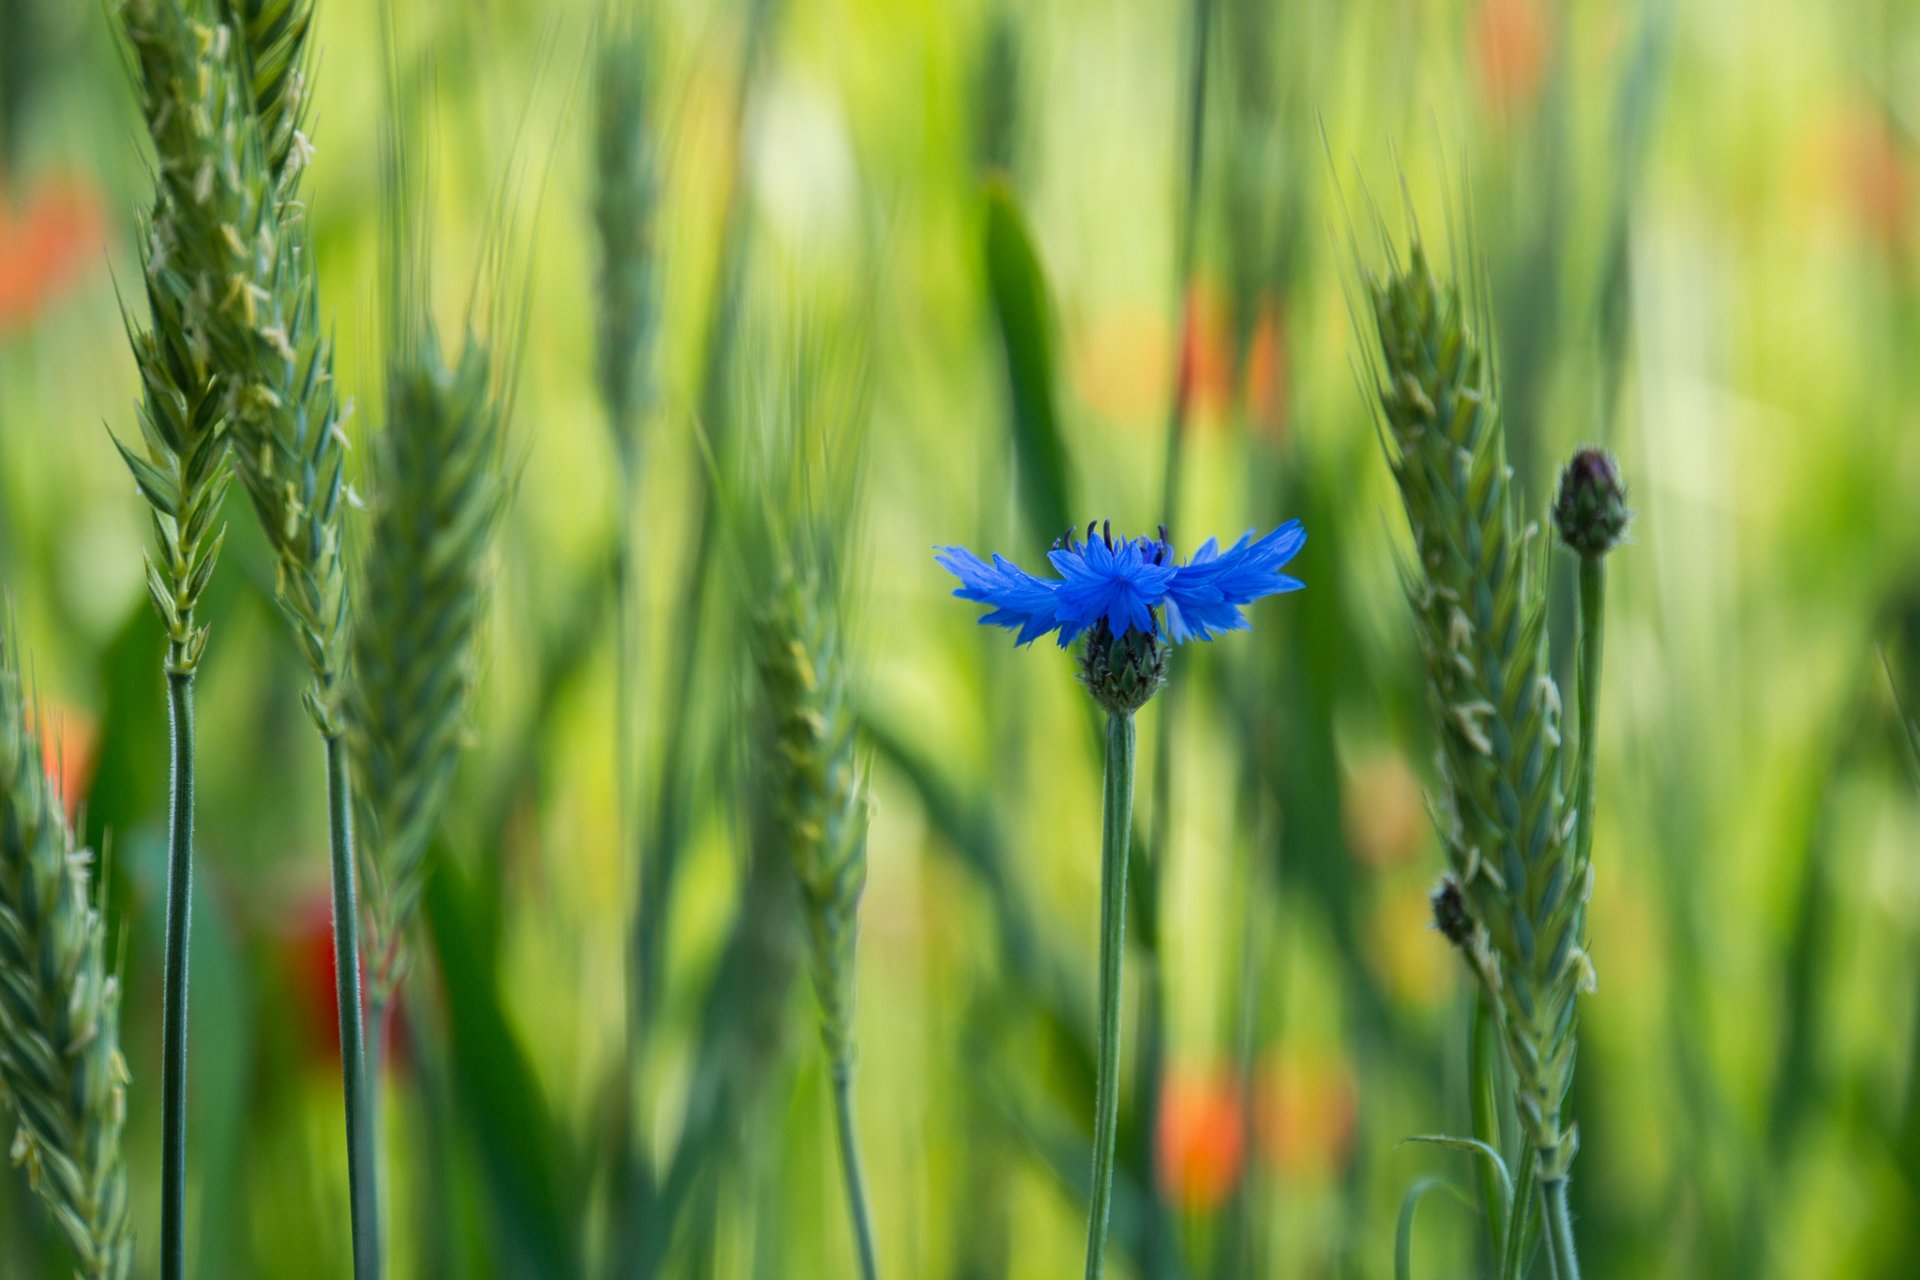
(1700, 226)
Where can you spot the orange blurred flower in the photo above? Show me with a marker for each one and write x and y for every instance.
(1385, 811)
(1206, 353)
(68, 738)
(1200, 1146)
(1511, 42)
(1880, 180)
(1266, 376)
(45, 249)
(1304, 1110)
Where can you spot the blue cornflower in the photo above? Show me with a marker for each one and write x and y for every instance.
(1131, 585)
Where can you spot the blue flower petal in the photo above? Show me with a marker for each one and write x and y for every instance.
(1124, 584)
(1205, 596)
(1020, 601)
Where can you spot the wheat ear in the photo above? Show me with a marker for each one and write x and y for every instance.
(821, 806)
(60, 1066)
(439, 477)
(1478, 590)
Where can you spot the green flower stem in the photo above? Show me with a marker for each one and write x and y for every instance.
(362, 1176)
(850, 1168)
(1593, 631)
(1116, 825)
(173, 1000)
(1592, 638)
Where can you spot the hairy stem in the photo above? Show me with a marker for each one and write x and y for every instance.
(362, 1176)
(850, 1168)
(173, 1000)
(1116, 825)
(1560, 1250)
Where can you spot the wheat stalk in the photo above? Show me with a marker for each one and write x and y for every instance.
(60, 1064)
(1478, 590)
(225, 109)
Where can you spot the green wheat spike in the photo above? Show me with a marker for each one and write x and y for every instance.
(439, 485)
(62, 1076)
(1478, 590)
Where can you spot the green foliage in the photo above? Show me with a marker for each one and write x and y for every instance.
(62, 1077)
(1024, 310)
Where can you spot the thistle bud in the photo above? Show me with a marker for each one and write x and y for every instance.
(1450, 914)
(1123, 673)
(1591, 510)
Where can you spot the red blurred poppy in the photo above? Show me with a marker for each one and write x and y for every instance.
(307, 941)
(1511, 41)
(1200, 1147)
(46, 247)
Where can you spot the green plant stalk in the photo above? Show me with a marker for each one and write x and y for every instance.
(363, 1187)
(1560, 1250)
(850, 1170)
(1116, 828)
(1484, 1096)
(173, 1000)
(1592, 641)
(1523, 1220)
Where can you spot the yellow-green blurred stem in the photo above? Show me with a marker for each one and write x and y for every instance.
(1116, 828)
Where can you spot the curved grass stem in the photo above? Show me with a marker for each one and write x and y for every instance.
(173, 1000)
(362, 1175)
(1116, 828)
(850, 1168)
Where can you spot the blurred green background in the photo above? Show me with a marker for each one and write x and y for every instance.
(1698, 226)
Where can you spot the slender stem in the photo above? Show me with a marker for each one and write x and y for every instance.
(850, 1168)
(362, 1176)
(1560, 1250)
(1117, 821)
(1484, 1096)
(1523, 1223)
(1593, 631)
(173, 1000)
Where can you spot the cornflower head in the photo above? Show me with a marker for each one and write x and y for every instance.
(1516, 898)
(1130, 597)
(1133, 600)
(61, 1072)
